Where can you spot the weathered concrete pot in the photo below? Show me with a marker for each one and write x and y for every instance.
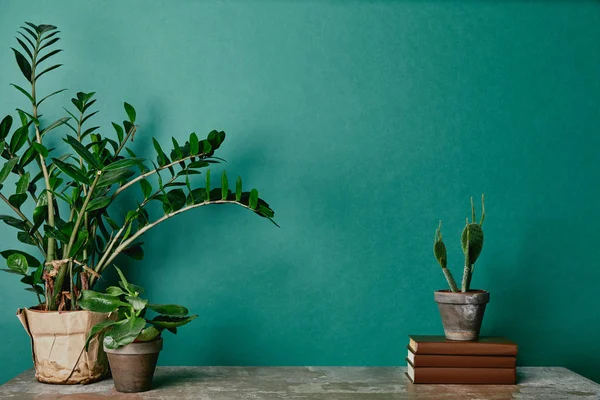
(133, 365)
(58, 345)
(462, 313)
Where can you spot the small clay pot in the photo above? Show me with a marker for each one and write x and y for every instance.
(133, 365)
(462, 313)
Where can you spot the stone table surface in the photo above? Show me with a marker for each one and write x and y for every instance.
(310, 383)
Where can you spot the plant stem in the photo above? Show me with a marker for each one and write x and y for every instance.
(106, 260)
(60, 276)
(450, 279)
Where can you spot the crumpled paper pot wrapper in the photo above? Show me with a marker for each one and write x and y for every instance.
(58, 345)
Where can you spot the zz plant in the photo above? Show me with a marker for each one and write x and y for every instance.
(61, 204)
(131, 322)
(471, 243)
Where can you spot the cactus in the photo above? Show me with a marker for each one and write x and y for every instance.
(471, 243)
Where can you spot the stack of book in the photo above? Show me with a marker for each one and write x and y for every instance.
(489, 360)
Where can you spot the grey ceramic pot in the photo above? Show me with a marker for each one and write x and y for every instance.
(462, 313)
(133, 365)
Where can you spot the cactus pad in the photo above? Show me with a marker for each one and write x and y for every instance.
(475, 241)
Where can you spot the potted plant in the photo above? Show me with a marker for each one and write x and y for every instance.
(72, 226)
(132, 340)
(462, 310)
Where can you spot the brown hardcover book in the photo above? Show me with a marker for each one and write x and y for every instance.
(436, 360)
(485, 346)
(465, 376)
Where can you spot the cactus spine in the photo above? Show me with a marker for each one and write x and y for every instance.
(471, 243)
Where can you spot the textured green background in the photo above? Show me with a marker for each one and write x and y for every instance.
(362, 123)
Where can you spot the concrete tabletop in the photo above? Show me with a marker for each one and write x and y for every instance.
(309, 383)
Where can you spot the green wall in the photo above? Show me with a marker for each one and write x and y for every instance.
(362, 123)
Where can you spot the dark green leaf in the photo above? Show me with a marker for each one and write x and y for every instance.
(207, 188)
(194, 144)
(171, 322)
(25, 237)
(119, 130)
(238, 189)
(39, 215)
(45, 28)
(198, 164)
(24, 46)
(136, 302)
(56, 234)
(171, 310)
(49, 43)
(31, 261)
(110, 177)
(14, 222)
(47, 56)
(115, 291)
(24, 65)
(25, 92)
(17, 200)
(36, 289)
(47, 70)
(98, 203)
(55, 124)
(130, 112)
(89, 131)
(99, 302)
(135, 251)
(146, 188)
(28, 156)
(23, 183)
(5, 126)
(7, 168)
(72, 171)
(19, 138)
(124, 334)
(101, 327)
(50, 95)
(253, 200)
(18, 263)
(82, 238)
(88, 117)
(37, 275)
(48, 36)
(224, 186)
(33, 35)
(124, 163)
(41, 149)
(176, 198)
(83, 152)
(148, 334)
(27, 39)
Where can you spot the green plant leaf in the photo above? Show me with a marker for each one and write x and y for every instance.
(72, 171)
(135, 251)
(163, 321)
(47, 70)
(17, 200)
(25, 92)
(130, 112)
(238, 189)
(207, 188)
(25, 47)
(148, 334)
(99, 302)
(19, 138)
(170, 310)
(146, 188)
(47, 56)
(98, 203)
(124, 334)
(194, 144)
(224, 186)
(28, 156)
(83, 152)
(82, 238)
(7, 168)
(24, 65)
(99, 328)
(176, 199)
(55, 125)
(49, 43)
(31, 260)
(18, 263)
(136, 302)
(55, 233)
(25, 237)
(124, 163)
(50, 95)
(115, 176)
(5, 126)
(253, 199)
(23, 183)
(41, 149)
(115, 291)
(14, 222)
(119, 130)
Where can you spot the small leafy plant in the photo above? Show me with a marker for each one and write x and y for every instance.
(471, 243)
(72, 224)
(131, 322)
